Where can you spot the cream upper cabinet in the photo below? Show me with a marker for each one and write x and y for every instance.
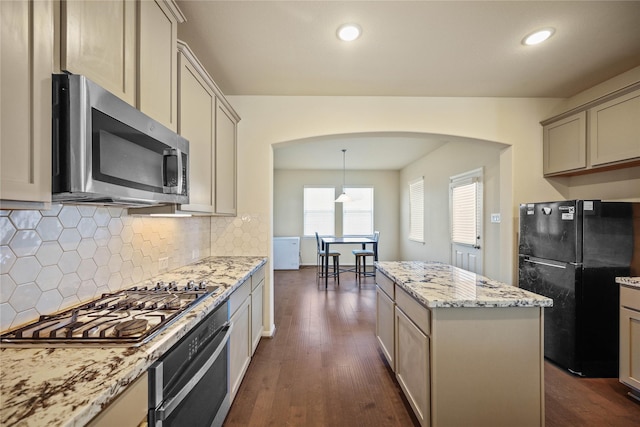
(604, 134)
(98, 40)
(565, 144)
(196, 112)
(226, 124)
(157, 67)
(26, 55)
(614, 130)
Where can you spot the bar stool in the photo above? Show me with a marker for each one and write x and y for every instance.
(320, 262)
(361, 260)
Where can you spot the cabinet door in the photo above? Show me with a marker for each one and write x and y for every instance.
(225, 161)
(565, 144)
(157, 81)
(98, 39)
(412, 366)
(256, 315)
(630, 337)
(239, 345)
(385, 326)
(129, 409)
(26, 55)
(630, 348)
(615, 130)
(196, 111)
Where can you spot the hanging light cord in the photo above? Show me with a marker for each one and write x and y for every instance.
(344, 166)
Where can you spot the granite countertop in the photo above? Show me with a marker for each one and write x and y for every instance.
(69, 386)
(436, 284)
(632, 282)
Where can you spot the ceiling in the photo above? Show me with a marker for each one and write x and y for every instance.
(410, 48)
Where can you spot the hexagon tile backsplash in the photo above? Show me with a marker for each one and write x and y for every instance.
(56, 259)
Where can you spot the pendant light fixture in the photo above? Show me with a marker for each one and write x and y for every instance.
(343, 198)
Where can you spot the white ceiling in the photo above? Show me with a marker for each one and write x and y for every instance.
(409, 48)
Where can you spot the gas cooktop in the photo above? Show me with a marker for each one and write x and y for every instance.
(129, 318)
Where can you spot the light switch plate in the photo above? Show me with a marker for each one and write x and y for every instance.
(495, 218)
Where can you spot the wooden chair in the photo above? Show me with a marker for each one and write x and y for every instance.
(361, 260)
(335, 272)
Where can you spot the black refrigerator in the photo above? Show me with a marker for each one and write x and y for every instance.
(572, 251)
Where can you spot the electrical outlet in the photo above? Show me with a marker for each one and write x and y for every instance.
(163, 263)
(495, 218)
(195, 253)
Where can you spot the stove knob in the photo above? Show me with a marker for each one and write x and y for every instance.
(190, 284)
(203, 285)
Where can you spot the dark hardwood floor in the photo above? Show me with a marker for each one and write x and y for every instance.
(323, 367)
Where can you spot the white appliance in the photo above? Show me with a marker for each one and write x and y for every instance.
(286, 253)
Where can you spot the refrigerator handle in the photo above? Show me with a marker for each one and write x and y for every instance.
(544, 263)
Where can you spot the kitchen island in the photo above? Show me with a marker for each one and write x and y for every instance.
(466, 350)
(69, 386)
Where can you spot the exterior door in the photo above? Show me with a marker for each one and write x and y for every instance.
(465, 200)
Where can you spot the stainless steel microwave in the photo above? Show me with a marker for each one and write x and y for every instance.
(107, 152)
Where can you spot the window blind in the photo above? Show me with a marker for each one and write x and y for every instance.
(464, 208)
(319, 211)
(357, 215)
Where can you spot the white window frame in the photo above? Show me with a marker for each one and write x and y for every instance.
(308, 229)
(416, 210)
(467, 233)
(349, 207)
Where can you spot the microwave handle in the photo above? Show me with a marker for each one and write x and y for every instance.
(173, 189)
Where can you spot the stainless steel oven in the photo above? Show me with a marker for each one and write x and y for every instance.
(189, 385)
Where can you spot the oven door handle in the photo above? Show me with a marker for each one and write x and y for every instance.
(170, 405)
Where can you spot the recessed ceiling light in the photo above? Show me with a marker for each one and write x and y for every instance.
(538, 36)
(349, 32)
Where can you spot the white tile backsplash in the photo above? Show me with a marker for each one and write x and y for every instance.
(55, 259)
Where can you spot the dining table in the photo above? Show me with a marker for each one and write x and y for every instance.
(332, 240)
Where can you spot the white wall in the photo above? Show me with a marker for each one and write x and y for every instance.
(268, 120)
(454, 158)
(288, 204)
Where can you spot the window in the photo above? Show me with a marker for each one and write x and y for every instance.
(466, 207)
(357, 215)
(319, 211)
(416, 210)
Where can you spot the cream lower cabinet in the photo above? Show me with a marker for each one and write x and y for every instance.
(245, 311)
(412, 365)
(240, 338)
(257, 301)
(26, 54)
(630, 338)
(385, 318)
(129, 409)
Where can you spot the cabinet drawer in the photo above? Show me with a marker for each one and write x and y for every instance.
(257, 277)
(418, 314)
(630, 298)
(385, 284)
(238, 296)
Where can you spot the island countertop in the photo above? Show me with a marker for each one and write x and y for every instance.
(68, 386)
(436, 284)
(632, 282)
